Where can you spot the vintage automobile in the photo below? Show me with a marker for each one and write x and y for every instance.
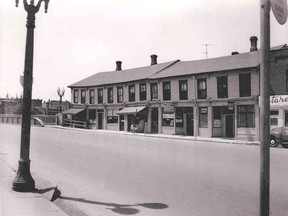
(279, 135)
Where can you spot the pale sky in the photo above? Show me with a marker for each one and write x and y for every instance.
(78, 38)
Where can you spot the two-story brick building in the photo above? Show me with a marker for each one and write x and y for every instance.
(215, 97)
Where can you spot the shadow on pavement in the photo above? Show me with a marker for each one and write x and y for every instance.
(124, 209)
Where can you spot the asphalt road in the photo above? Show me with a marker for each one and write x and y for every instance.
(106, 173)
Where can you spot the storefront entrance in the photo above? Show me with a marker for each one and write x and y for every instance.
(100, 120)
(189, 124)
(154, 120)
(229, 126)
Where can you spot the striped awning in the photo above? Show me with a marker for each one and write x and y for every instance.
(131, 110)
(73, 111)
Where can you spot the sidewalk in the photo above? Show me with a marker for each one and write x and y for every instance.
(20, 204)
(179, 137)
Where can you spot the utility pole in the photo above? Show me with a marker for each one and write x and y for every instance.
(264, 104)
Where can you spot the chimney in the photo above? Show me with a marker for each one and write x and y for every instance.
(118, 65)
(253, 40)
(153, 59)
(234, 53)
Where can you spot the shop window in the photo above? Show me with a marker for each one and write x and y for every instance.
(203, 117)
(179, 117)
(110, 95)
(183, 90)
(100, 96)
(120, 94)
(246, 116)
(166, 91)
(273, 121)
(168, 119)
(76, 96)
(142, 91)
(245, 85)
(131, 93)
(83, 96)
(154, 91)
(91, 96)
(222, 87)
(112, 117)
(201, 88)
(287, 80)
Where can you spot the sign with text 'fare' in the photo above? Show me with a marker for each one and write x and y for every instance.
(279, 8)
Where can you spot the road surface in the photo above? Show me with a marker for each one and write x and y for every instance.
(106, 173)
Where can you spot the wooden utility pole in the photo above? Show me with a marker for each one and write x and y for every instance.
(264, 104)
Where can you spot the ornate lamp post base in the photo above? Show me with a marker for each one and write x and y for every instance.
(23, 181)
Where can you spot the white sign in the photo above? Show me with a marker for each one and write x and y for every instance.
(279, 100)
(279, 8)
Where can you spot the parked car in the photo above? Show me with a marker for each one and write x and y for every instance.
(279, 135)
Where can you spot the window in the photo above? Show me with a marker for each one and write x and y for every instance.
(202, 88)
(83, 96)
(179, 116)
(76, 96)
(222, 87)
(183, 90)
(245, 85)
(246, 116)
(91, 96)
(166, 91)
(142, 91)
(131, 93)
(112, 117)
(287, 80)
(120, 94)
(100, 96)
(110, 95)
(203, 117)
(154, 91)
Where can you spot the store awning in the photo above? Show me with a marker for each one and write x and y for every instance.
(73, 111)
(131, 110)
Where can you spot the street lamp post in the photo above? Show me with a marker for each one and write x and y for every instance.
(23, 181)
(60, 94)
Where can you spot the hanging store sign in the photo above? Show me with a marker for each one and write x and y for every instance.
(279, 8)
(279, 100)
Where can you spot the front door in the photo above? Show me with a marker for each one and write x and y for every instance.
(189, 124)
(229, 126)
(100, 120)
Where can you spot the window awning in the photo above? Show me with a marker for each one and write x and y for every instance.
(73, 111)
(131, 110)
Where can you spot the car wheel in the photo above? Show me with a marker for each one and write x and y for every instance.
(273, 142)
(284, 145)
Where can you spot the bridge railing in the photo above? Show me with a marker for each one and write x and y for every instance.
(39, 120)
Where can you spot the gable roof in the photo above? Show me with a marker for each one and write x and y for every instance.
(239, 61)
(122, 76)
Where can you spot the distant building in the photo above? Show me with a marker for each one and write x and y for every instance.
(14, 106)
(215, 97)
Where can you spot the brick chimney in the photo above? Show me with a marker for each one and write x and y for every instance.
(153, 59)
(253, 40)
(118, 65)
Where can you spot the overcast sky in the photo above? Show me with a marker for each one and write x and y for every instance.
(78, 38)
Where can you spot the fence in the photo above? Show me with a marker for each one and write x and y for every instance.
(17, 119)
(74, 123)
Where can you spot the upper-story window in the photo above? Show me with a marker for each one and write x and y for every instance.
(166, 91)
(131, 93)
(83, 96)
(245, 85)
(91, 96)
(76, 96)
(201, 88)
(120, 94)
(154, 91)
(183, 90)
(222, 87)
(110, 95)
(143, 91)
(100, 96)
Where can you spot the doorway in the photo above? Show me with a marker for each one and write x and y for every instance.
(154, 120)
(189, 124)
(100, 120)
(229, 126)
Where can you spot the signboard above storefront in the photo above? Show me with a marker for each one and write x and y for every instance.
(279, 101)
